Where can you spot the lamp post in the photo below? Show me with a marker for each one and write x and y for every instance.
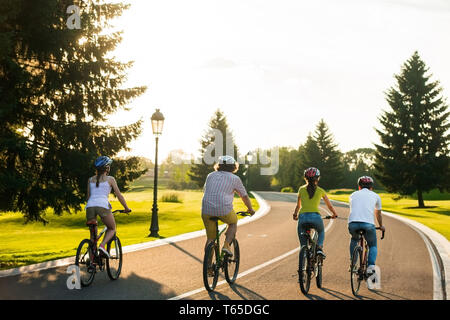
(157, 125)
(249, 158)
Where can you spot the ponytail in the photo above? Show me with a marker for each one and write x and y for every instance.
(100, 171)
(311, 187)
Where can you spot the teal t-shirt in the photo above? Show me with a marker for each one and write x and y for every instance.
(310, 205)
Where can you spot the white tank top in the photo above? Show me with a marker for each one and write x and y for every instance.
(99, 195)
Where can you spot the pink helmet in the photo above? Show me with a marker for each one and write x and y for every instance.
(312, 173)
(365, 181)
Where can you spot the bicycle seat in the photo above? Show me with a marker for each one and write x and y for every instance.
(308, 226)
(214, 218)
(361, 231)
(91, 223)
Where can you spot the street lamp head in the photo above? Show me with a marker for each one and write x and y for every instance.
(249, 157)
(157, 122)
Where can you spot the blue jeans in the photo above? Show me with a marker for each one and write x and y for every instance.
(311, 218)
(370, 235)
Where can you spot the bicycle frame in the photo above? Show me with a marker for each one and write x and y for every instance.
(219, 255)
(95, 238)
(363, 244)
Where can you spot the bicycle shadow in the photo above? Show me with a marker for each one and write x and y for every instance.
(243, 293)
(389, 295)
(337, 294)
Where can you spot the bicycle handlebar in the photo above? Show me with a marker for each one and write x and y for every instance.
(243, 213)
(328, 217)
(382, 232)
(121, 211)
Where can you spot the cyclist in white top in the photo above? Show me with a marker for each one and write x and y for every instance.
(98, 190)
(364, 204)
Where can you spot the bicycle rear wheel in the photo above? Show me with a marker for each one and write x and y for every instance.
(232, 263)
(114, 263)
(356, 270)
(84, 261)
(319, 272)
(304, 270)
(210, 267)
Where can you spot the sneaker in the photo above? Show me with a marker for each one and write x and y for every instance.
(370, 270)
(321, 254)
(103, 250)
(226, 248)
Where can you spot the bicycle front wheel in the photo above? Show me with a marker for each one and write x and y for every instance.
(210, 267)
(84, 260)
(304, 270)
(232, 263)
(356, 270)
(114, 263)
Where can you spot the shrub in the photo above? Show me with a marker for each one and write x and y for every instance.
(171, 197)
(287, 189)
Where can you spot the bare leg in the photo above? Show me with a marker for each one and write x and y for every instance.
(231, 233)
(110, 223)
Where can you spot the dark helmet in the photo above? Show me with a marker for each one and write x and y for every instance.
(102, 161)
(365, 182)
(312, 173)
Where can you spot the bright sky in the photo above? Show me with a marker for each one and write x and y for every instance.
(274, 67)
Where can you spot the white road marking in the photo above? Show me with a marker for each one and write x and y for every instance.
(251, 270)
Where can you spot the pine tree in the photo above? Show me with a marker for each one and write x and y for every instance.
(57, 87)
(413, 155)
(321, 152)
(199, 171)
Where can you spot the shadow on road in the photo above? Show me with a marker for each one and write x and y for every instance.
(186, 252)
(51, 285)
(243, 293)
(389, 295)
(337, 294)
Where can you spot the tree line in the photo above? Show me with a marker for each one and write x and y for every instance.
(58, 85)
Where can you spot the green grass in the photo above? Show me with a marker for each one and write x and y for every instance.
(23, 244)
(436, 216)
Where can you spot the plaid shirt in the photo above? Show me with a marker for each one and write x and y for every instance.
(219, 193)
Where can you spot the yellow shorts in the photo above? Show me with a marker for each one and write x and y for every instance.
(210, 225)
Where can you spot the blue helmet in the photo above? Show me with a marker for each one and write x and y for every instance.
(102, 161)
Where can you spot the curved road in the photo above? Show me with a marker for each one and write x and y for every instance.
(175, 270)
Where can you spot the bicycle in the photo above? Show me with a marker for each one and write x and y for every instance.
(359, 273)
(310, 263)
(88, 256)
(214, 259)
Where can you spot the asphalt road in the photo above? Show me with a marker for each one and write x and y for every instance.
(175, 270)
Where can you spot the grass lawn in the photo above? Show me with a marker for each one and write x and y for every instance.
(23, 244)
(436, 216)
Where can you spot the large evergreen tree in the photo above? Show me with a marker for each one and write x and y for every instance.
(413, 155)
(199, 171)
(321, 152)
(57, 86)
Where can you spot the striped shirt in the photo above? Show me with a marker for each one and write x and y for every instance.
(219, 190)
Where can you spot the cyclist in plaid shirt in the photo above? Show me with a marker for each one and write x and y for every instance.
(219, 190)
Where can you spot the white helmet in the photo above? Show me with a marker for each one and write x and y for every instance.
(226, 160)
